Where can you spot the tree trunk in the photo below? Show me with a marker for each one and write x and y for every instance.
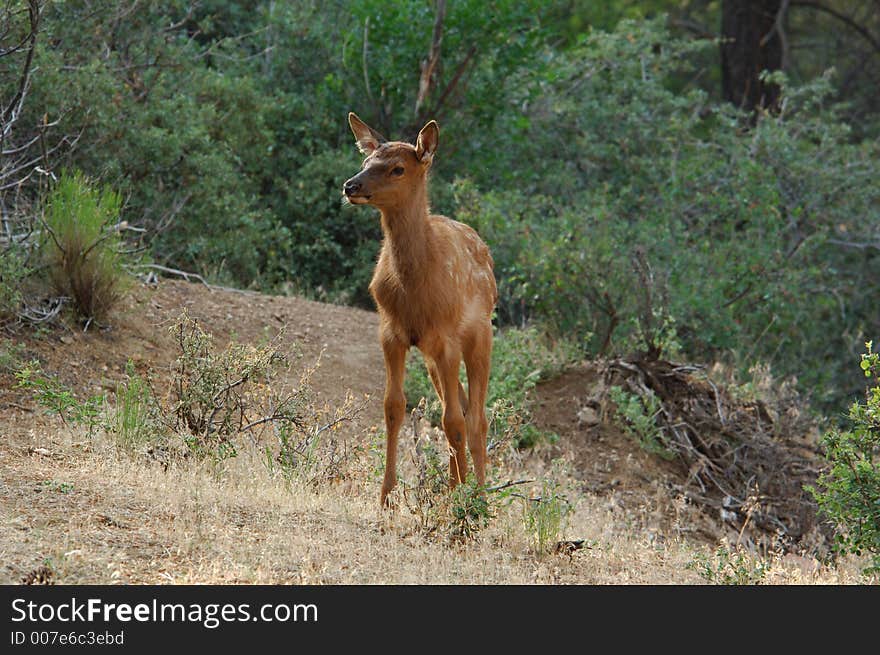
(752, 42)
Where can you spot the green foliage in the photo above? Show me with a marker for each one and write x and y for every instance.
(546, 517)
(58, 398)
(243, 139)
(849, 492)
(183, 142)
(136, 419)
(82, 245)
(461, 513)
(648, 218)
(730, 566)
(470, 509)
(11, 356)
(636, 415)
(625, 206)
(60, 487)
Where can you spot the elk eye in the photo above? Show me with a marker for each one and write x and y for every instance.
(397, 170)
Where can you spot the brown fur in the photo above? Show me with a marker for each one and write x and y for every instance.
(434, 287)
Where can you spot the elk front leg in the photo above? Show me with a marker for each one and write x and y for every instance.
(395, 408)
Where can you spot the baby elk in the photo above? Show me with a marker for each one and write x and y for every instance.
(434, 288)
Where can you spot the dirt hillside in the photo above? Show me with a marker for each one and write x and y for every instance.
(95, 360)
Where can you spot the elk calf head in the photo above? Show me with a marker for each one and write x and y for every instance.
(391, 169)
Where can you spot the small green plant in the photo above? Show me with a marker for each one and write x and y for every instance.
(469, 508)
(82, 245)
(546, 517)
(13, 273)
(849, 492)
(636, 416)
(60, 487)
(11, 355)
(59, 399)
(136, 418)
(460, 513)
(730, 566)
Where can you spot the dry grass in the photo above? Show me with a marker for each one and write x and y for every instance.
(96, 515)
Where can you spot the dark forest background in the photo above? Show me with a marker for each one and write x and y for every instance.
(693, 179)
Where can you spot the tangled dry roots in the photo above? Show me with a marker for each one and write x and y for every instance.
(741, 460)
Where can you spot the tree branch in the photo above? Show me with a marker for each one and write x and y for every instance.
(429, 65)
(818, 6)
(10, 113)
(455, 79)
(364, 52)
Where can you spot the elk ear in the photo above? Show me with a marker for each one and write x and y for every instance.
(367, 138)
(427, 142)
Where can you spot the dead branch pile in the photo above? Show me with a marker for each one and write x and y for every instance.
(744, 460)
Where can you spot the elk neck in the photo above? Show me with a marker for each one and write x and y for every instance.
(407, 235)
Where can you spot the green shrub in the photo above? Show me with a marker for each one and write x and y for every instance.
(636, 415)
(469, 508)
(82, 246)
(213, 389)
(849, 492)
(650, 215)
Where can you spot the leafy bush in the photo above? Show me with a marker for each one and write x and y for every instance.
(82, 246)
(849, 492)
(59, 398)
(651, 215)
(470, 509)
(212, 388)
(222, 395)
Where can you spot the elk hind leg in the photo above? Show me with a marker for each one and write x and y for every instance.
(477, 357)
(438, 387)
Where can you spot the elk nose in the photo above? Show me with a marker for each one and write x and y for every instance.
(351, 187)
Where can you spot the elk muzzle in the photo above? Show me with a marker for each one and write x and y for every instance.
(353, 190)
